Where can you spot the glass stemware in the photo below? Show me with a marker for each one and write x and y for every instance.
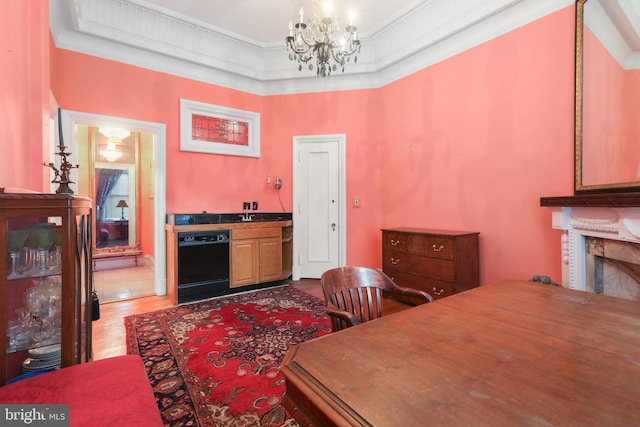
(38, 302)
(15, 241)
(15, 258)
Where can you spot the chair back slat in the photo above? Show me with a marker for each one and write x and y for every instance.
(358, 290)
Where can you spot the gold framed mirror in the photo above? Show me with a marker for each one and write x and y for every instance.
(607, 96)
(113, 171)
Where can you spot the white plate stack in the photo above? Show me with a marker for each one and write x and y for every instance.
(42, 358)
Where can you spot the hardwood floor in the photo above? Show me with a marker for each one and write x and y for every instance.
(109, 333)
(109, 337)
(124, 283)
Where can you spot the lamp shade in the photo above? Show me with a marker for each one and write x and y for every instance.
(122, 204)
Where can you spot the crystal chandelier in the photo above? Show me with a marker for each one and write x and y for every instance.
(111, 153)
(322, 39)
(114, 136)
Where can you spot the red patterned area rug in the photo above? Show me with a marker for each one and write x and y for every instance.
(215, 362)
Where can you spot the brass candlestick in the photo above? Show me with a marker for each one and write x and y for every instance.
(62, 174)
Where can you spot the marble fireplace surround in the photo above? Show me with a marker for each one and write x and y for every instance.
(608, 218)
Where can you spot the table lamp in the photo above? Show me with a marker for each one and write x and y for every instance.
(122, 204)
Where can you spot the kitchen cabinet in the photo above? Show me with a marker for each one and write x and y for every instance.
(256, 256)
(439, 262)
(45, 281)
(260, 252)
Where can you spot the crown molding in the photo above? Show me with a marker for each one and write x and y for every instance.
(128, 32)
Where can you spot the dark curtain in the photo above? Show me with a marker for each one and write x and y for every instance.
(106, 179)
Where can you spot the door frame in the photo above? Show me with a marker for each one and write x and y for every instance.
(341, 140)
(159, 131)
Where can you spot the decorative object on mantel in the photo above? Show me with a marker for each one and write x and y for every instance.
(62, 174)
(321, 38)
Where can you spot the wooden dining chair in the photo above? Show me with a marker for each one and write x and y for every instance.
(354, 295)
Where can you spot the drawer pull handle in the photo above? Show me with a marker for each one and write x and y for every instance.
(437, 249)
(439, 293)
(395, 261)
(395, 242)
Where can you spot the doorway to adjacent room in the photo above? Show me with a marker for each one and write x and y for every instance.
(155, 135)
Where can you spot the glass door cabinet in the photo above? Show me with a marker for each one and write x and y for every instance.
(45, 283)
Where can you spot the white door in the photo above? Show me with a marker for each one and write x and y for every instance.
(319, 215)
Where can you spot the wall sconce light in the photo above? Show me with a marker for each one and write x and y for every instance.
(122, 204)
(277, 183)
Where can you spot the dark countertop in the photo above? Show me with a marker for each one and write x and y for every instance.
(226, 218)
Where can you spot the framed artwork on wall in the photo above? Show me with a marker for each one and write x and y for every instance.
(208, 128)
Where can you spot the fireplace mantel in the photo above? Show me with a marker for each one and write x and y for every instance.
(607, 216)
(593, 200)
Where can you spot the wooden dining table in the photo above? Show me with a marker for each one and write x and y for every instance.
(513, 353)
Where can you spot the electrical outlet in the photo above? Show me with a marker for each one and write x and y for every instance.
(356, 202)
(246, 206)
(255, 206)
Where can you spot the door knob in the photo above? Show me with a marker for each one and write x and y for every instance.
(333, 226)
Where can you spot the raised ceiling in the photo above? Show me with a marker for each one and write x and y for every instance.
(240, 43)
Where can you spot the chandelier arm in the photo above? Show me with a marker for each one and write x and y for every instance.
(338, 57)
(310, 39)
(350, 52)
(301, 55)
(339, 54)
(300, 51)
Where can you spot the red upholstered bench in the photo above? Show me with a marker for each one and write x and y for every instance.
(107, 392)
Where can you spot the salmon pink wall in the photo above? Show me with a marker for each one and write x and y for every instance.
(195, 181)
(631, 123)
(358, 115)
(24, 94)
(472, 143)
(469, 143)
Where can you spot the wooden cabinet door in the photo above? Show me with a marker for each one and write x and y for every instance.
(245, 262)
(51, 289)
(270, 259)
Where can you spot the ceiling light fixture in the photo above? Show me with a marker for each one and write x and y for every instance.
(111, 153)
(321, 38)
(114, 133)
(114, 136)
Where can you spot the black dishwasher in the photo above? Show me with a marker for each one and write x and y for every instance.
(203, 264)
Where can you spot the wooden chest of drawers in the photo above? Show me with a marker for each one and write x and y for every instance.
(439, 262)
